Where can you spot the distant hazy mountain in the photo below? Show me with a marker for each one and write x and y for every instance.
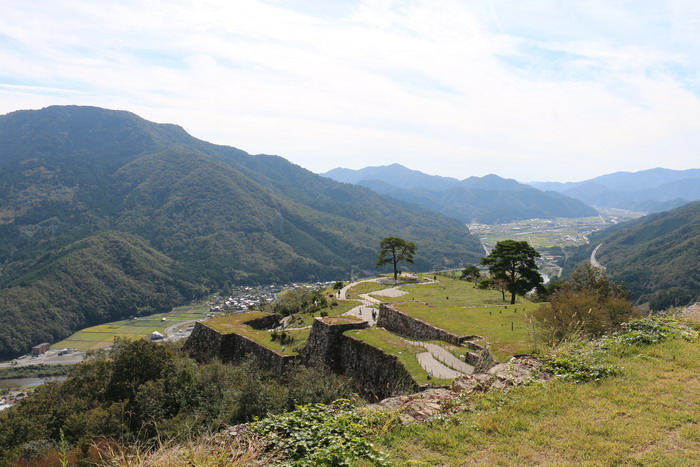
(656, 257)
(488, 199)
(647, 191)
(104, 215)
(394, 174)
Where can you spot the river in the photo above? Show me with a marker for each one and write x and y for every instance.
(28, 382)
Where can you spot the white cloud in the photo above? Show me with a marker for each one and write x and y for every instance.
(447, 87)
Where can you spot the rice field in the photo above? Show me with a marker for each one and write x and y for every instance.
(103, 335)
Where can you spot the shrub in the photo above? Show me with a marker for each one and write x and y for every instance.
(318, 434)
(588, 304)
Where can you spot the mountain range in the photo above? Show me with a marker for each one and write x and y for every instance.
(650, 190)
(489, 200)
(104, 215)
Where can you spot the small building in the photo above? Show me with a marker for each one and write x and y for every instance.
(40, 349)
(156, 336)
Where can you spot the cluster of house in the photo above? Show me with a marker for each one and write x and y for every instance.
(243, 298)
(12, 397)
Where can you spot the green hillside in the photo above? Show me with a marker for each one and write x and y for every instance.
(655, 256)
(212, 213)
(101, 278)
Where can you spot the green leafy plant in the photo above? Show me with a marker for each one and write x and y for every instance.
(653, 330)
(579, 367)
(318, 434)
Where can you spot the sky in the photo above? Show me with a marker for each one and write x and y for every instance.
(547, 90)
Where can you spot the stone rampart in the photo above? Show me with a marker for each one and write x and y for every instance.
(324, 340)
(375, 374)
(264, 323)
(397, 322)
(206, 344)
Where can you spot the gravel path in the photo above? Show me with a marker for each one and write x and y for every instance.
(364, 312)
(444, 357)
(436, 369)
(392, 292)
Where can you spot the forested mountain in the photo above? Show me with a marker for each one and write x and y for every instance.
(489, 199)
(104, 215)
(651, 190)
(656, 257)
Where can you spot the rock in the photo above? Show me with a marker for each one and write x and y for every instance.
(485, 361)
(416, 407)
(521, 369)
(413, 408)
(477, 382)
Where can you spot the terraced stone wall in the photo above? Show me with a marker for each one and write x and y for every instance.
(375, 374)
(400, 323)
(206, 344)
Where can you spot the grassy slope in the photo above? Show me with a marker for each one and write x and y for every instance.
(502, 327)
(364, 287)
(448, 292)
(235, 324)
(457, 306)
(649, 415)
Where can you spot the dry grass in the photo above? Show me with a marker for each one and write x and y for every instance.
(648, 416)
(224, 449)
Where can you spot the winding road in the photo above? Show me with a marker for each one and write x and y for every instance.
(595, 262)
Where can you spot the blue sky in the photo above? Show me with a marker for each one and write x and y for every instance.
(527, 89)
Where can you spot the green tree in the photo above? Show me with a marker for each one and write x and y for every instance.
(471, 273)
(513, 261)
(394, 250)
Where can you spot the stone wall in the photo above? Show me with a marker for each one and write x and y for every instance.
(206, 344)
(375, 375)
(324, 340)
(400, 323)
(264, 323)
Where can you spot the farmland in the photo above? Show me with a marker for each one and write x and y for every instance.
(98, 337)
(547, 233)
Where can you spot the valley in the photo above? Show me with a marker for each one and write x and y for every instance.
(548, 233)
(155, 247)
(376, 233)
(126, 217)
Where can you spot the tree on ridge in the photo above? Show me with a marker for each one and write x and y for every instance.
(394, 250)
